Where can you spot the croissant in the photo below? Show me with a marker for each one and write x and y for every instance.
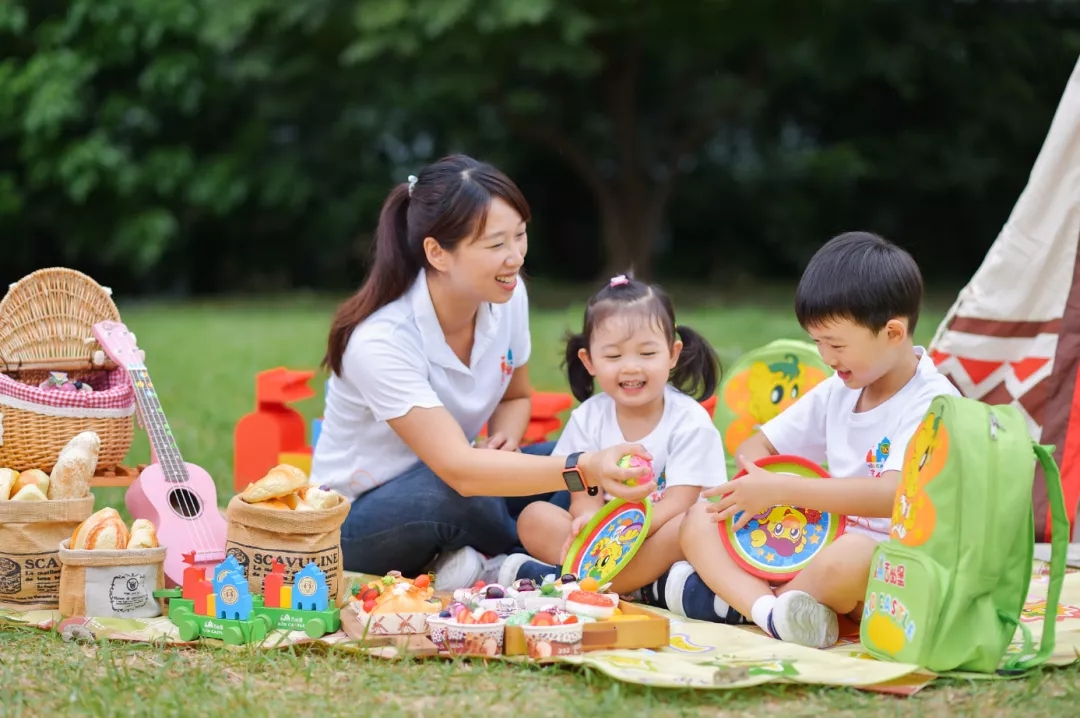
(279, 482)
(317, 498)
(143, 535)
(103, 530)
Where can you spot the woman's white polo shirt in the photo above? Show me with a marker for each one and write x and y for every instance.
(398, 359)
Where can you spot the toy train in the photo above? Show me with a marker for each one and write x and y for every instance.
(223, 607)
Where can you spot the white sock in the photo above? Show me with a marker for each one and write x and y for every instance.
(721, 607)
(761, 610)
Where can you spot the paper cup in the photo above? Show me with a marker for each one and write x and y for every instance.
(544, 642)
(437, 630)
(475, 639)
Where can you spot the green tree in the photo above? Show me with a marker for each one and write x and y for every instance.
(627, 93)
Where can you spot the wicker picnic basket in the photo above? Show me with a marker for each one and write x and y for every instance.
(45, 325)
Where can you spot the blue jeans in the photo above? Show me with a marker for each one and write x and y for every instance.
(403, 524)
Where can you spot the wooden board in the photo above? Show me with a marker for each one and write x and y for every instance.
(122, 476)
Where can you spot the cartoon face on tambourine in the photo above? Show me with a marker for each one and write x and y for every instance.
(609, 541)
(777, 544)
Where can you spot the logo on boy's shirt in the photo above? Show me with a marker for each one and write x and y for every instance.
(507, 364)
(877, 456)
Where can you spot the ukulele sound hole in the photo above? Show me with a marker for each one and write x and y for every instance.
(185, 503)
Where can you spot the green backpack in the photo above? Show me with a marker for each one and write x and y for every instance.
(947, 588)
(762, 383)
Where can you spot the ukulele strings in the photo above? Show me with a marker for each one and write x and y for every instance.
(154, 418)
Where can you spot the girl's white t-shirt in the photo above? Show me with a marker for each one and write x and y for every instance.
(398, 359)
(823, 427)
(685, 445)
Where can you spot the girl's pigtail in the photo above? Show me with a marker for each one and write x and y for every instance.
(581, 381)
(698, 371)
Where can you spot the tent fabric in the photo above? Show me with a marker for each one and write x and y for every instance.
(1013, 334)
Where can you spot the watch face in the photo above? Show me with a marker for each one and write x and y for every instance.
(573, 481)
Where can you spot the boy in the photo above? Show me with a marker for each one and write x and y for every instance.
(859, 301)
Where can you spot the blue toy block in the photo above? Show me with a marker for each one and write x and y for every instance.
(310, 592)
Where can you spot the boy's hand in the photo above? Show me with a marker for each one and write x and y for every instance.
(752, 494)
(575, 529)
(500, 442)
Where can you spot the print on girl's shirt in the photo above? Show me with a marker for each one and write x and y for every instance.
(877, 456)
(661, 484)
(507, 364)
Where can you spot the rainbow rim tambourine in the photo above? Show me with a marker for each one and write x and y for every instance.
(609, 541)
(779, 543)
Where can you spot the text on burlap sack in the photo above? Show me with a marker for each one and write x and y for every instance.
(29, 577)
(257, 562)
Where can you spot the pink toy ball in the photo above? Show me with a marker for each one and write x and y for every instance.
(632, 461)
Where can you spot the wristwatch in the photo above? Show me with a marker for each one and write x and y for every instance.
(575, 480)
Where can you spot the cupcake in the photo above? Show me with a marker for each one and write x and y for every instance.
(475, 633)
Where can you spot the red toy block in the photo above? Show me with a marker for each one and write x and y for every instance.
(273, 428)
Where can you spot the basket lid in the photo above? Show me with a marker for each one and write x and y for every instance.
(48, 314)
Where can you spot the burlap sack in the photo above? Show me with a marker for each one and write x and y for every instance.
(111, 584)
(30, 532)
(257, 536)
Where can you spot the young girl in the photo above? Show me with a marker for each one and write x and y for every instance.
(647, 368)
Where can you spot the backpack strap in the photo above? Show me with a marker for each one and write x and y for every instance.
(1059, 540)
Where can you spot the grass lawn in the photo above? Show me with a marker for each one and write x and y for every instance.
(203, 358)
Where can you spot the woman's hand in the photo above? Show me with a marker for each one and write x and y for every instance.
(575, 529)
(752, 494)
(601, 469)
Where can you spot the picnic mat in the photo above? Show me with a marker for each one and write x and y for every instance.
(700, 655)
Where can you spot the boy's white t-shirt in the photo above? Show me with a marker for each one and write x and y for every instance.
(686, 447)
(398, 359)
(823, 427)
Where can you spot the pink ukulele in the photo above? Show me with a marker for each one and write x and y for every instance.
(179, 498)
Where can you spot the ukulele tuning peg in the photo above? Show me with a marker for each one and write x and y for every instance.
(141, 354)
(99, 358)
(133, 339)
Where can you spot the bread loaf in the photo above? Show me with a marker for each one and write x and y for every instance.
(103, 530)
(279, 482)
(143, 534)
(75, 467)
(30, 492)
(7, 480)
(317, 498)
(31, 477)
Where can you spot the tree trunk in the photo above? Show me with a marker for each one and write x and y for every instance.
(630, 225)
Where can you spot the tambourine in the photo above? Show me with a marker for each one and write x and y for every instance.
(777, 544)
(609, 541)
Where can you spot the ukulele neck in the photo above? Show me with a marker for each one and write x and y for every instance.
(162, 442)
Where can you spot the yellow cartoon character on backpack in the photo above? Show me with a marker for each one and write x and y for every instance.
(914, 515)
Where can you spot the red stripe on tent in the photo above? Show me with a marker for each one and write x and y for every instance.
(1026, 367)
(978, 369)
(1070, 467)
(1003, 328)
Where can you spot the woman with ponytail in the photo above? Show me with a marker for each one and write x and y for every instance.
(433, 346)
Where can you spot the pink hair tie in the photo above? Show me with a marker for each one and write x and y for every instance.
(621, 279)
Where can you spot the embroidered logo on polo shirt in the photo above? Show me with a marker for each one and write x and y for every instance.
(507, 364)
